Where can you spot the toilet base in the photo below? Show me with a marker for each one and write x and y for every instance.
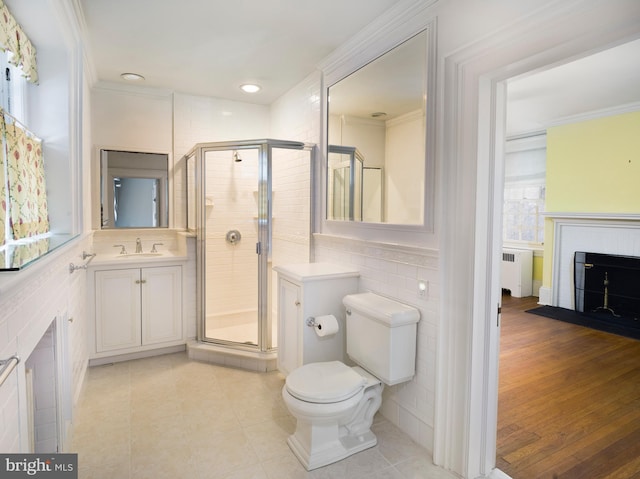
(334, 452)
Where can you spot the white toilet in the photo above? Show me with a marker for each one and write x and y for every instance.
(333, 403)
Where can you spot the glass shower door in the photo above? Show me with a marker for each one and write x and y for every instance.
(231, 230)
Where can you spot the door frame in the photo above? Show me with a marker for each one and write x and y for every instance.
(472, 114)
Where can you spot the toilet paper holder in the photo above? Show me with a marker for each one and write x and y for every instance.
(311, 322)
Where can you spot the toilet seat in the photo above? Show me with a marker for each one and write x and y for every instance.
(325, 382)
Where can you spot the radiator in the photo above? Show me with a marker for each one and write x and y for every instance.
(517, 272)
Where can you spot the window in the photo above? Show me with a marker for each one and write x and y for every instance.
(24, 223)
(13, 85)
(524, 190)
(523, 221)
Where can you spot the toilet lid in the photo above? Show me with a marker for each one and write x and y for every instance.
(327, 382)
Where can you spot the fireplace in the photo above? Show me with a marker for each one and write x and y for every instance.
(607, 286)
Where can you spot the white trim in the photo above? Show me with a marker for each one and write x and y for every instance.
(498, 474)
(527, 143)
(135, 90)
(545, 296)
(593, 216)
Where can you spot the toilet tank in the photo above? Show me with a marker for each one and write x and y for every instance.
(381, 336)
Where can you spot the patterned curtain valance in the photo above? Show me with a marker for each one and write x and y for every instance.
(13, 39)
(23, 204)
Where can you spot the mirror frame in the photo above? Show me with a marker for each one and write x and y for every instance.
(97, 217)
(366, 49)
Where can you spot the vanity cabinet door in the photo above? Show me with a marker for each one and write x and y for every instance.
(117, 309)
(289, 327)
(161, 304)
(137, 307)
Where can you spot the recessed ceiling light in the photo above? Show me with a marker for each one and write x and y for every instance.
(250, 88)
(132, 76)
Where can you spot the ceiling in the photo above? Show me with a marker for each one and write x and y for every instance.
(602, 81)
(211, 47)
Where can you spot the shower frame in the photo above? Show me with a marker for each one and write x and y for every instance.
(265, 148)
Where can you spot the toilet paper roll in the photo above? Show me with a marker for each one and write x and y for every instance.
(326, 325)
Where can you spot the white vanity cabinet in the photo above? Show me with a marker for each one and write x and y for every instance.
(137, 307)
(307, 291)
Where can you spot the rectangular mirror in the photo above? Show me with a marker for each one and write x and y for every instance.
(134, 189)
(379, 113)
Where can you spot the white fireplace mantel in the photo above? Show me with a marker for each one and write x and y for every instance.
(591, 232)
(593, 216)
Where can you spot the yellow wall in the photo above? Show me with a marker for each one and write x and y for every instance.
(538, 262)
(592, 167)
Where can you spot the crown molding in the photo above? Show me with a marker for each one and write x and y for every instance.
(595, 114)
(135, 90)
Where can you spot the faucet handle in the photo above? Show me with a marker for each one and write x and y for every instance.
(153, 248)
(123, 250)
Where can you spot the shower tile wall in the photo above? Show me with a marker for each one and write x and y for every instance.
(395, 271)
(231, 191)
(291, 206)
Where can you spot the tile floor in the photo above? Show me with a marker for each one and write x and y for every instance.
(170, 417)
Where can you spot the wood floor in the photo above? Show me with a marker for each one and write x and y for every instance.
(569, 399)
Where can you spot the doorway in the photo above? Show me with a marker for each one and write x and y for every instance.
(604, 110)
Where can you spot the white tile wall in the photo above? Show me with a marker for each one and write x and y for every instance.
(394, 271)
(29, 300)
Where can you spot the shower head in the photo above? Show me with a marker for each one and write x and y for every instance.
(236, 157)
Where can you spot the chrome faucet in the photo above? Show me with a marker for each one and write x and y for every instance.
(138, 245)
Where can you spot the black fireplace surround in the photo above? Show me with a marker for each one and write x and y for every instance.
(607, 285)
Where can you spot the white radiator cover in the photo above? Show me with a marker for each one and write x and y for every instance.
(517, 272)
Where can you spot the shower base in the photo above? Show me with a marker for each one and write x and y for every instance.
(232, 356)
(237, 327)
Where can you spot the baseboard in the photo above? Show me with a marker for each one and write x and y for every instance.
(498, 474)
(545, 296)
(137, 355)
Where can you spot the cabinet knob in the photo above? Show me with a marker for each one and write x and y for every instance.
(297, 303)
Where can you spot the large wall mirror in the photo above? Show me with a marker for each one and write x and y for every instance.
(377, 168)
(134, 189)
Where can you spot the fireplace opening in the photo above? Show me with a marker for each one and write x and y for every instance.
(608, 286)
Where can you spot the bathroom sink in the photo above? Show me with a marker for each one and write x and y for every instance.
(138, 255)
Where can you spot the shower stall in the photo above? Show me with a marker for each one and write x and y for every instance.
(249, 203)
